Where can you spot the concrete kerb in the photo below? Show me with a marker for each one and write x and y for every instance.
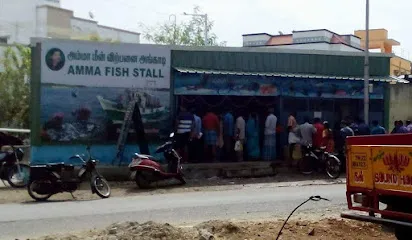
(212, 170)
(204, 170)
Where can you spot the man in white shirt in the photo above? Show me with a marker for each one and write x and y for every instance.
(293, 139)
(269, 147)
(240, 135)
(195, 147)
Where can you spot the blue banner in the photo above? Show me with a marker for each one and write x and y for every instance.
(237, 85)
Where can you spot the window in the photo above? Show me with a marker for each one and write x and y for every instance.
(3, 40)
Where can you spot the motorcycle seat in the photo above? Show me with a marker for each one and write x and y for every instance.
(68, 167)
(51, 165)
(319, 149)
(144, 156)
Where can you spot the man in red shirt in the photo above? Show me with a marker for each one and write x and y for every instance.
(211, 128)
(317, 138)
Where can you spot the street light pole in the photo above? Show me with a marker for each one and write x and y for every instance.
(206, 28)
(206, 38)
(174, 27)
(366, 70)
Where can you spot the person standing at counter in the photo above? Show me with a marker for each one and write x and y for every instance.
(211, 128)
(269, 148)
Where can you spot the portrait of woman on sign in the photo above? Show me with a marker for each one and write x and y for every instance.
(55, 59)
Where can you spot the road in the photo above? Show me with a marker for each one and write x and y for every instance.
(255, 201)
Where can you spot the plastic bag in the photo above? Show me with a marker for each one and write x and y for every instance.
(238, 146)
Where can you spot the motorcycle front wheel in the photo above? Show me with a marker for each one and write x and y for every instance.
(333, 167)
(142, 181)
(101, 187)
(16, 178)
(37, 196)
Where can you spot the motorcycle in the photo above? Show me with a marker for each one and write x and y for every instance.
(50, 179)
(340, 154)
(315, 159)
(145, 169)
(11, 170)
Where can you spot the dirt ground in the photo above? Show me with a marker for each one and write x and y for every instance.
(121, 189)
(223, 230)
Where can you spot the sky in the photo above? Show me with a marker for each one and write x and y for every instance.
(234, 18)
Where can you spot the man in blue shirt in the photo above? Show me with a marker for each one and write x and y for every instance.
(408, 125)
(363, 128)
(377, 129)
(401, 128)
(228, 134)
(345, 132)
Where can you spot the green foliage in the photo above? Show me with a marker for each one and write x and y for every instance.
(186, 33)
(15, 87)
(379, 156)
(97, 38)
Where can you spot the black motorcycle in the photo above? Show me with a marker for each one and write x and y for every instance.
(11, 168)
(50, 179)
(317, 159)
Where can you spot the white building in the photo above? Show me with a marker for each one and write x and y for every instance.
(320, 39)
(22, 19)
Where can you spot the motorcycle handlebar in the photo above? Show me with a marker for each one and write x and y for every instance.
(78, 157)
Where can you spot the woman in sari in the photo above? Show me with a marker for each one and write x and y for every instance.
(252, 137)
(327, 138)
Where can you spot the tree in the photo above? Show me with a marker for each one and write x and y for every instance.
(96, 38)
(15, 87)
(186, 33)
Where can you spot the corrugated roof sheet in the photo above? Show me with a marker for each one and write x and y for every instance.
(389, 79)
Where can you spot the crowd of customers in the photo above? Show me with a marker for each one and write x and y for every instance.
(235, 136)
(228, 136)
(320, 135)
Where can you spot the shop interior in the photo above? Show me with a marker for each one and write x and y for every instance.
(331, 110)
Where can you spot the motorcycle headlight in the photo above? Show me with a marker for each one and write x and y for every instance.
(136, 161)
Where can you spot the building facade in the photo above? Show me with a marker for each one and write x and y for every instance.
(311, 83)
(294, 80)
(378, 39)
(323, 39)
(320, 39)
(23, 19)
(82, 97)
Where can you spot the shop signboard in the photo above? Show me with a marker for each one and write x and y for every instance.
(380, 167)
(360, 167)
(254, 85)
(85, 88)
(392, 167)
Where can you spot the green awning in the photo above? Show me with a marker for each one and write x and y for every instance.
(389, 79)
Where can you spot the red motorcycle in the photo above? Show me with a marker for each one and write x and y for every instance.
(145, 169)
